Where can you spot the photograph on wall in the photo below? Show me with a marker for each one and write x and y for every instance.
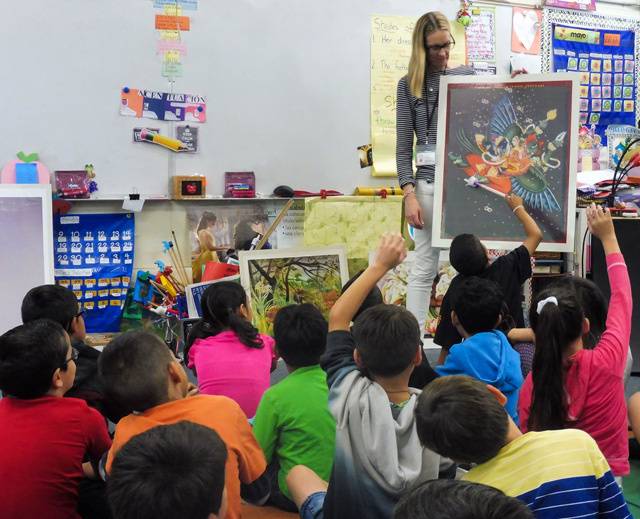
(277, 278)
(506, 136)
(235, 224)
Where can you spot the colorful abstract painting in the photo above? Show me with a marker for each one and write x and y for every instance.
(501, 136)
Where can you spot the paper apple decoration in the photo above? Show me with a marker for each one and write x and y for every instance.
(8, 174)
(192, 189)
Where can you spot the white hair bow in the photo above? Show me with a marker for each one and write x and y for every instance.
(550, 299)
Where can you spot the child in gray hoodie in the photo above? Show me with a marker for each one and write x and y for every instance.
(378, 456)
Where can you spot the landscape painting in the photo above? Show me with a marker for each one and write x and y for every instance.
(277, 278)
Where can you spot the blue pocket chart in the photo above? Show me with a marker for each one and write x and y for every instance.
(93, 256)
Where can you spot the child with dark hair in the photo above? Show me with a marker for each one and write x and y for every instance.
(226, 351)
(469, 257)
(293, 424)
(570, 386)
(373, 298)
(378, 454)
(60, 304)
(43, 437)
(144, 482)
(485, 353)
(138, 369)
(558, 474)
(422, 373)
(455, 499)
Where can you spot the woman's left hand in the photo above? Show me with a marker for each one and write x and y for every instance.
(519, 71)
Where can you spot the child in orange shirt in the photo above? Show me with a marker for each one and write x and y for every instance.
(140, 371)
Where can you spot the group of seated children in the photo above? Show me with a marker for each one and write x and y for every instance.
(349, 432)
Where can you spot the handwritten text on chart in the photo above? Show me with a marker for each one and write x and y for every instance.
(172, 23)
(165, 45)
(390, 53)
(481, 42)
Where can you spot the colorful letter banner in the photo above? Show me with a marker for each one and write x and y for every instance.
(163, 106)
(94, 258)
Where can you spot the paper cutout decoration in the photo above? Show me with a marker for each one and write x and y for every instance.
(163, 106)
(10, 175)
(525, 36)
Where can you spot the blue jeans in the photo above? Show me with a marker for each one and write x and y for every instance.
(312, 507)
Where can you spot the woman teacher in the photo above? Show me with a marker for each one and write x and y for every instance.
(417, 113)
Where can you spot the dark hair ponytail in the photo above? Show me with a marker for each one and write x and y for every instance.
(220, 303)
(555, 326)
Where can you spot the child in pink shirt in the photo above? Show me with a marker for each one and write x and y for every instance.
(225, 350)
(570, 387)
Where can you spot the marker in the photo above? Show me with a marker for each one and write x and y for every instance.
(172, 144)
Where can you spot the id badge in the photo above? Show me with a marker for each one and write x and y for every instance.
(425, 155)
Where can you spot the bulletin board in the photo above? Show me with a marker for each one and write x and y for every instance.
(605, 50)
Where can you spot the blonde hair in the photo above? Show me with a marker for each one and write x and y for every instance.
(426, 25)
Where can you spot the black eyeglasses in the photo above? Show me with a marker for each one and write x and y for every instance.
(74, 355)
(81, 312)
(435, 49)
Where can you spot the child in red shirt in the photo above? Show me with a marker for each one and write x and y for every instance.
(43, 438)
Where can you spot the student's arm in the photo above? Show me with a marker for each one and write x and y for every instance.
(98, 441)
(265, 426)
(521, 335)
(254, 481)
(534, 234)
(613, 346)
(391, 251)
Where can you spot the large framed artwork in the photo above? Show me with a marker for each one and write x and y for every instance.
(281, 277)
(498, 136)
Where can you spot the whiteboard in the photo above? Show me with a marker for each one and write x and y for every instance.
(287, 86)
(26, 255)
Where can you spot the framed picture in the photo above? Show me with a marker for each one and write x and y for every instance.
(281, 277)
(393, 286)
(498, 136)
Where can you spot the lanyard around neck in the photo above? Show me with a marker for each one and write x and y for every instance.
(435, 104)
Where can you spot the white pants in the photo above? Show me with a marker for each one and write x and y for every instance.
(425, 267)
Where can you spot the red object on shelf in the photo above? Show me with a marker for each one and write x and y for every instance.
(216, 270)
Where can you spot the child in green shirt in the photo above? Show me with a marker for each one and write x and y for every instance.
(293, 424)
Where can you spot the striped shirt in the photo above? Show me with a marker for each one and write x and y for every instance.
(558, 474)
(411, 117)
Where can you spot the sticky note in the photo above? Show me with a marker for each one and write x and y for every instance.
(171, 69)
(26, 173)
(171, 35)
(173, 10)
(171, 56)
(172, 23)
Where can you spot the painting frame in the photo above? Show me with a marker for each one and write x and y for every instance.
(529, 148)
(263, 308)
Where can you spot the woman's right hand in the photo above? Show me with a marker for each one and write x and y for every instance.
(413, 212)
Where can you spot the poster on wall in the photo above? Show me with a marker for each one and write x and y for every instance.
(93, 256)
(525, 35)
(582, 5)
(163, 106)
(606, 58)
(391, 38)
(506, 136)
(481, 35)
(606, 63)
